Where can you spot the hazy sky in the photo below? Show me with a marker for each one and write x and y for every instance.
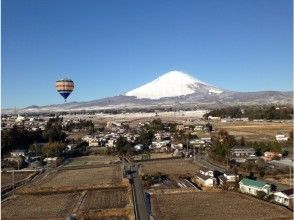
(109, 47)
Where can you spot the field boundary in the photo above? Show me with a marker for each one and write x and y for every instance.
(66, 189)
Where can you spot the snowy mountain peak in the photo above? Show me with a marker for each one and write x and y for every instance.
(172, 84)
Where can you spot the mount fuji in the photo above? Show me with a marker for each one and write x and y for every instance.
(173, 89)
(173, 84)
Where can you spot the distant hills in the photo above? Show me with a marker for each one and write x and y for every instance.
(172, 89)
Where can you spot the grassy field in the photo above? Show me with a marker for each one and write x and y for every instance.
(255, 131)
(7, 178)
(78, 177)
(39, 206)
(105, 199)
(92, 160)
(171, 167)
(215, 205)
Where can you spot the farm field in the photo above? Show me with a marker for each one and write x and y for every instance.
(78, 177)
(7, 178)
(170, 167)
(92, 160)
(39, 206)
(155, 156)
(105, 199)
(214, 205)
(255, 131)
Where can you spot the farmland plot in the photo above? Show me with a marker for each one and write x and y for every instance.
(92, 160)
(105, 199)
(7, 178)
(78, 177)
(256, 131)
(176, 167)
(215, 205)
(39, 206)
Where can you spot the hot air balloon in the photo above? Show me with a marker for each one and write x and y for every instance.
(64, 87)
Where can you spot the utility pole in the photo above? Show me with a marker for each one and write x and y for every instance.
(187, 148)
(13, 182)
(194, 154)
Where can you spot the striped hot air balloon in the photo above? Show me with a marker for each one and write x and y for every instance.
(64, 87)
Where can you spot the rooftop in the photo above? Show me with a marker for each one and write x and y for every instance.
(254, 183)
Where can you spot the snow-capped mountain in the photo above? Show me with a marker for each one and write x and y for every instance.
(173, 84)
(173, 89)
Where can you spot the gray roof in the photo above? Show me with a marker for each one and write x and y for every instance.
(204, 169)
(203, 177)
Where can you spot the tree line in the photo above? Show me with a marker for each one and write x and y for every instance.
(253, 112)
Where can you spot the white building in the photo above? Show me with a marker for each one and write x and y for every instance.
(205, 177)
(281, 137)
(253, 186)
(228, 178)
(284, 197)
(19, 118)
(213, 118)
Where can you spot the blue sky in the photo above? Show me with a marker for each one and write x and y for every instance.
(110, 46)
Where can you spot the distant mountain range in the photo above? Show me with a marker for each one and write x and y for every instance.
(172, 89)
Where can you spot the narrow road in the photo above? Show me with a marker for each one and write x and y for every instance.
(131, 172)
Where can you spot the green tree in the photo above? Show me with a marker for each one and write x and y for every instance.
(145, 137)
(123, 147)
(53, 149)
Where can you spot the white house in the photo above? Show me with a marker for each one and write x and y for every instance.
(198, 128)
(205, 171)
(228, 178)
(138, 147)
(17, 153)
(205, 180)
(284, 197)
(205, 177)
(19, 118)
(213, 118)
(281, 137)
(253, 186)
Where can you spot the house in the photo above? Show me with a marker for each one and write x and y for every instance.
(268, 156)
(241, 153)
(17, 153)
(253, 186)
(53, 161)
(205, 177)
(213, 118)
(205, 171)
(204, 180)
(224, 120)
(93, 142)
(228, 178)
(139, 147)
(206, 139)
(71, 146)
(284, 197)
(198, 128)
(281, 137)
(19, 118)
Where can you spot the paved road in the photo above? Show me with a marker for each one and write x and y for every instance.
(137, 192)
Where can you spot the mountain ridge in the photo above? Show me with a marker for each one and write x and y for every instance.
(175, 88)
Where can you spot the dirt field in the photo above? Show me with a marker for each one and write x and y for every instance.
(105, 199)
(256, 130)
(215, 205)
(39, 206)
(7, 179)
(103, 175)
(171, 167)
(92, 160)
